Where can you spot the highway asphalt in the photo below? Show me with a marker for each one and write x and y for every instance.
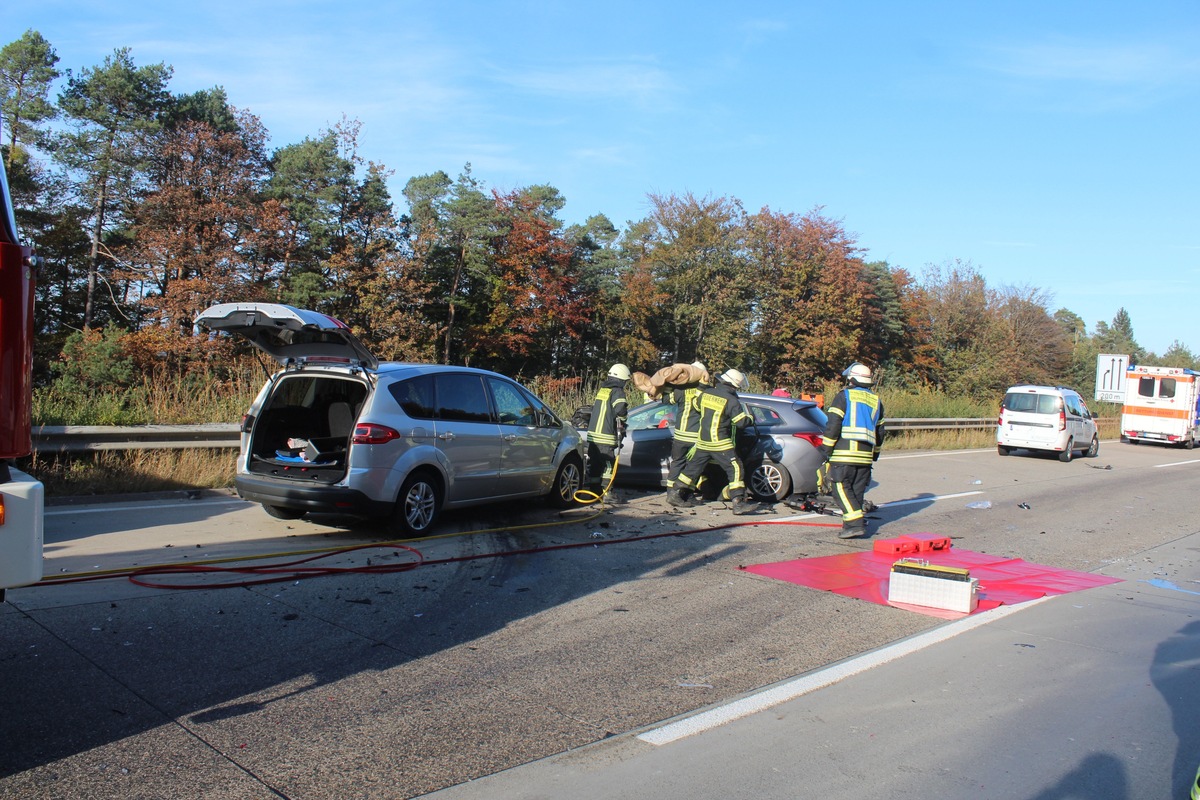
(598, 671)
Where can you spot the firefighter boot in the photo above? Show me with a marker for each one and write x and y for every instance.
(852, 530)
(743, 506)
(677, 498)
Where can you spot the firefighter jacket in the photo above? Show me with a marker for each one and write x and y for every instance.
(854, 433)
(721, 414)
(609, 406)
(687, 410)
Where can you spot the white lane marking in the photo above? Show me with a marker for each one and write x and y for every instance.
(101, 509)
(1177, 463)
(937, 453)
(928, 499)
(761, 701)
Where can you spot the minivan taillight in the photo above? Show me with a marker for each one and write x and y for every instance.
(1062, 420)
(370, 433)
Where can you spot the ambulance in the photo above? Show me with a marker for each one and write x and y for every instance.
(1162, 404)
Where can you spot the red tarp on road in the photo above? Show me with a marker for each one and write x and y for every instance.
(864, 575)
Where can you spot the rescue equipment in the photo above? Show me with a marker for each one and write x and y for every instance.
(915, 581)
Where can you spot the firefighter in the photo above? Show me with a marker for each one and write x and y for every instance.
(687, 423)
(851, 443)
(604, 429)
(721, 416)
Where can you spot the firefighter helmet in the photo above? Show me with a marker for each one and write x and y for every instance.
(619, 371)
(735, 378)
(858, 373)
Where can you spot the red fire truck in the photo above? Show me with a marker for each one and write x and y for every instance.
(20, 495)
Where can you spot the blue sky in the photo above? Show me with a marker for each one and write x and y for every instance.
(1050, 144)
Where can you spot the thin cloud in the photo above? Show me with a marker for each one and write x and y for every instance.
(1116, 64)
(643, 83)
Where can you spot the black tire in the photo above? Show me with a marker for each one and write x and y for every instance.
(769, 482)
(1189, 443)
(1094, 449)
(567, 482)
(280, 512)
(1066, 455)
(1002, 450)
(419, 504)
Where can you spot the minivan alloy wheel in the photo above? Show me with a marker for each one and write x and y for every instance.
(420, 500)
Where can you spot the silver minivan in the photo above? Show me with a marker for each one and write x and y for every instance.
(1047, 418)
(337, 431)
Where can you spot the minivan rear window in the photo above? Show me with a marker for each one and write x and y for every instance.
(1030, 402)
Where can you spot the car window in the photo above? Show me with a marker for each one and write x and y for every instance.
(512, 407)
(814, 415)
(1146, 387)
(1049, 404)
(1166, 388)
(461, 397)
(415, 396)
(764, 416)
(655, 415)
(1073, 407)
(1020, 401)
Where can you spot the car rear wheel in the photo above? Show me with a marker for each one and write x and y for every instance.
(419, 503)
(770, 482)
(280, 512)
(566, 483)
(1066, 455)
(1094, 450)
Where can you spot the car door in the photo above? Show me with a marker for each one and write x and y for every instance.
(645, 454)
(528, 443)
(468, 436)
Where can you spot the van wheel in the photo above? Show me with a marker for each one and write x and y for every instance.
(419, 503)
(1094, 450)
(1066, 455)
(1190, 443)
(566, 483)
(280, 512)
(1002, 450)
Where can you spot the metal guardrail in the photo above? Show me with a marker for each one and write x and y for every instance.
(91, 438)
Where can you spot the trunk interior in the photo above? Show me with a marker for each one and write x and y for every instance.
(304, 428)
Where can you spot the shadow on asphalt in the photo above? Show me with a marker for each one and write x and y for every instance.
(97, 671)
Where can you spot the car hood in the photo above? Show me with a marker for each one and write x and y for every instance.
(288, 334)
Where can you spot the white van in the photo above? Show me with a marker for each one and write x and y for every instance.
(1049, 418)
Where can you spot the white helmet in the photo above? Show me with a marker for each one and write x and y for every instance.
(619, 371)
(858, 373)
(700, 366)
(735, 378)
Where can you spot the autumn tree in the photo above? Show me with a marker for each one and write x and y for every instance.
(965, 334)
(193, 233)
(1035, 347)
(812, 299)
(537, 309)
(696, 253)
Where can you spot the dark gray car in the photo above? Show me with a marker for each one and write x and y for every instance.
(779, 449)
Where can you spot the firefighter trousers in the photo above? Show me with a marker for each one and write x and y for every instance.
(693, 470)
(850, 482)
(679, 458)
(601, 458)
